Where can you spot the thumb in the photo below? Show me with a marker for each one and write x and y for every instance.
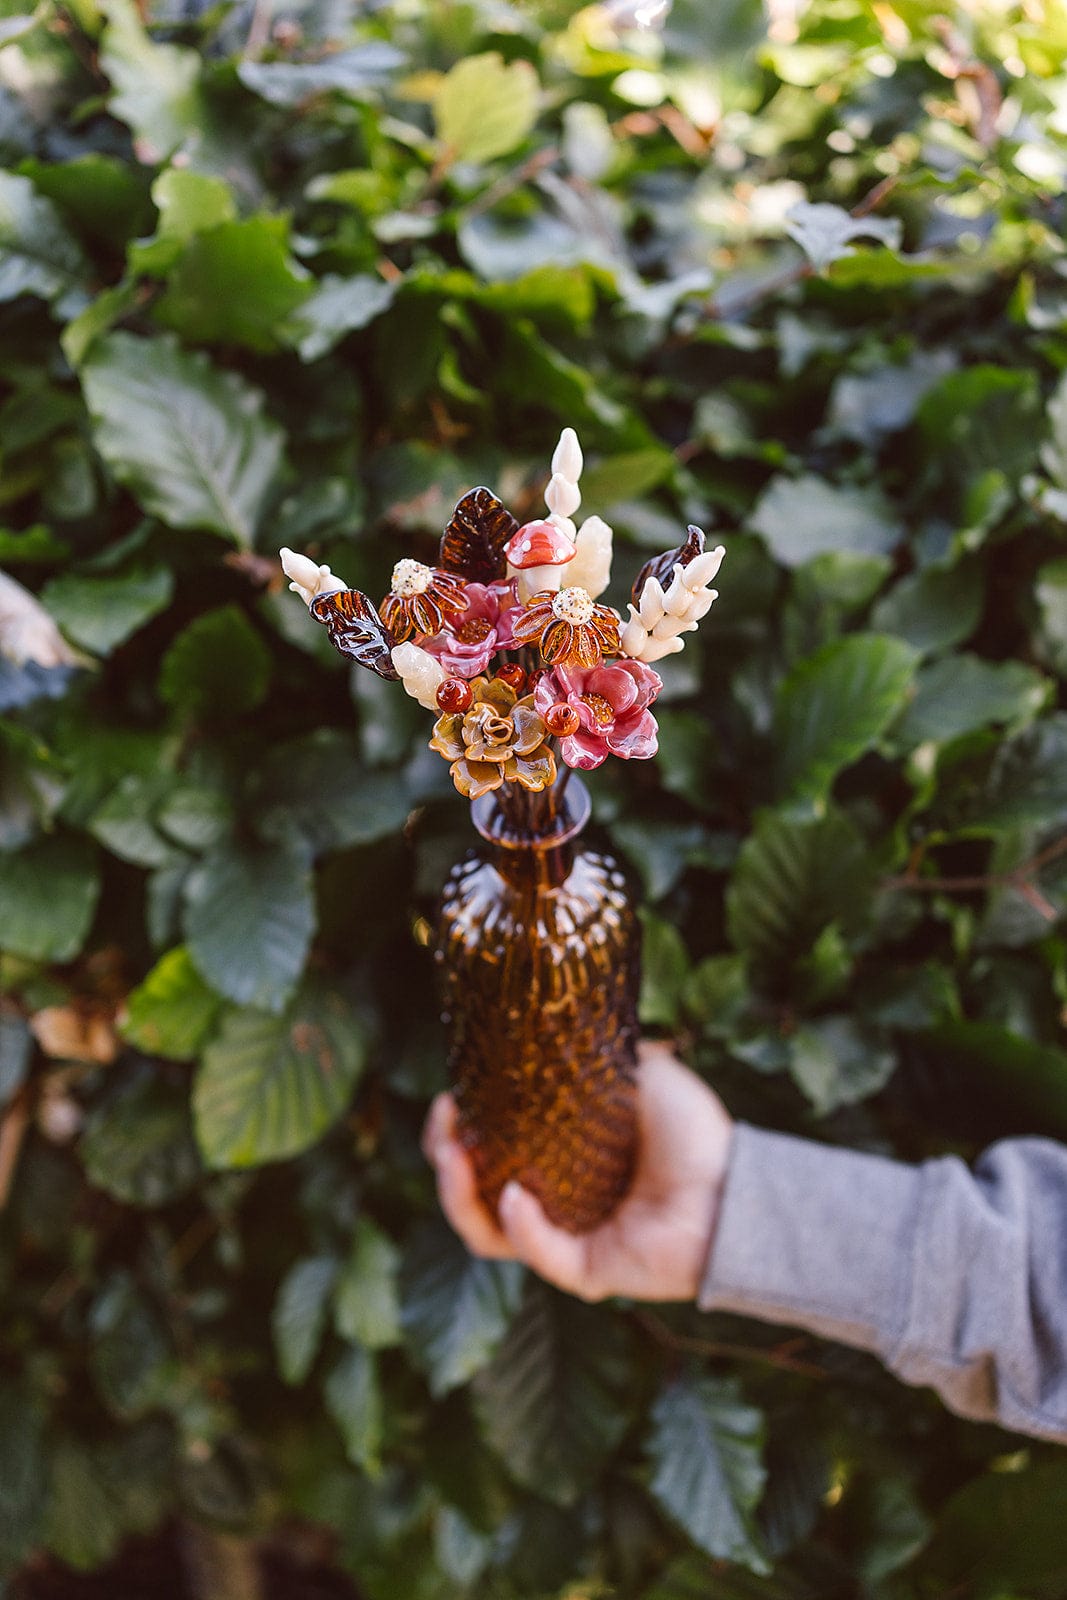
(554, 1254)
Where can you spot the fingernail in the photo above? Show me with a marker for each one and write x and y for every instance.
(511, 1196)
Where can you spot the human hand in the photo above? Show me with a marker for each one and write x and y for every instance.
(656, 1245)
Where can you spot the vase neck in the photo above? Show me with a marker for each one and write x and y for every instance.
(533, 835)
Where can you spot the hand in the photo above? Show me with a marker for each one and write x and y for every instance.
(656, 1245)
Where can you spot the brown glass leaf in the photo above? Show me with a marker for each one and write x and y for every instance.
(356, 629)
(473, 543)
(662, 567)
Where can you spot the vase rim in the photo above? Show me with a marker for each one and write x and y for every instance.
(489, 819)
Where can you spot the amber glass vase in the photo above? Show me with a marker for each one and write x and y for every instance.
(538, 948)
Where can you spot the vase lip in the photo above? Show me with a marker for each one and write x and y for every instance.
(575, 808)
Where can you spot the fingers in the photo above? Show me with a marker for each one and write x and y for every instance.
(457, 1188)
(552, 1253)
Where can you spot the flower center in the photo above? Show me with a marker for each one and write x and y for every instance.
(601, 707)
(573, 606)
(410, 578)
(476, 631)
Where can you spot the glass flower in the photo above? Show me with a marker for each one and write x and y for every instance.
(499, 739)
(469, 639)
(611, 702)
(570, 628)
(419, 600)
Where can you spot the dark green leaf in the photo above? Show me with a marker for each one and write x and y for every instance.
(961, 693)
(235, 284)
(1001, 1534)
(138, 1145)
(317, 788)
(298, 1320)
(793, 879)
(217, 667)
(48, 892)
(557, 1397)
(336, 307)
(23, 1479)
(834, 705)
(367, 1304)
(154, 87)
(189, 442)
(706, 1451)
(355, 1403)
(836, 1062)
(100, 613)
(664, 969)
(805, 517)
(37, 254)
(455, 1309)
(354, 73)
(249, 918)
(934, 609)
(271, 1086)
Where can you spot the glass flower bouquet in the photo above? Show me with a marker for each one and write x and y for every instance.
(531, 677)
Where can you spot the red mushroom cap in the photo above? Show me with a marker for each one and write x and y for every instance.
(539, 544)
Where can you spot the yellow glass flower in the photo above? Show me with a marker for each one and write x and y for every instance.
(498, 739)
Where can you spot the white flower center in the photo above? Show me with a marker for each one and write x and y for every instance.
(573, 605)
(411, 577)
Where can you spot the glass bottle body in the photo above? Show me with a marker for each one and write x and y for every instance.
(538, 949)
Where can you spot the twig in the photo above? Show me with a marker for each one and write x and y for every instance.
(13, 1126)
(1020, 878)
(719, 1350)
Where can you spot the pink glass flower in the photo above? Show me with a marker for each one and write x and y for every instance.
(611, 702)
(469, 640)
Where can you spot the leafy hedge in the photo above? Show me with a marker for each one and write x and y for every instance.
(302, 274)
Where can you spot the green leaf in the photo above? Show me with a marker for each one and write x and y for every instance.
(367, 1302)
(298, 1320)
(664, 969)
(317, 787)
(154, 87)
(354, 1401)
(793, 879)
(484, 109)
(23, 1480)
(249, 918)
(1001, 1534)
(355, 73)
(1028, 779)
(124, 822)
(235, 284)
(834, 705)
(106, 198)
(837, 1063)
(37, 254)
(961, 693)
(934, 609)
(82, 1526)
(337, 306)
(1027, 1078)
(1050, 592)
(825, 232)
(173, 1011)
(48, 892)
(101, 612)
(217, 667)
(16, 1047)
(806, 516)
(269, 1086)
(34, 544)
(455, 1308)
(557, 1397)
(138, 1145)
(706, 1451)
(189, 442)
(188, 203)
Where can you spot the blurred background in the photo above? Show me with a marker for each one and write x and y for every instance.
(302, 274)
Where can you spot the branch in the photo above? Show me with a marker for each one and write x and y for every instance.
(1021, 878)
(718, 1350)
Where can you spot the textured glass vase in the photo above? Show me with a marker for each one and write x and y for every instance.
(538, 946)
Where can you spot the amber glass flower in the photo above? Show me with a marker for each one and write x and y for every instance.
(419, 599)
(499, 739)
(569, 628)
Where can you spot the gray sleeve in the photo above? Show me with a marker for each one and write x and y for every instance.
(955, 1279)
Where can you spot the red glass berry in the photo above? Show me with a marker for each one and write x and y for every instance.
(513, 674)
(562, 719)
(454, 694)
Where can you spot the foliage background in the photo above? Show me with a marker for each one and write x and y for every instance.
(302, 273)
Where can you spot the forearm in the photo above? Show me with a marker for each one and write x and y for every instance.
(954, 1279)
